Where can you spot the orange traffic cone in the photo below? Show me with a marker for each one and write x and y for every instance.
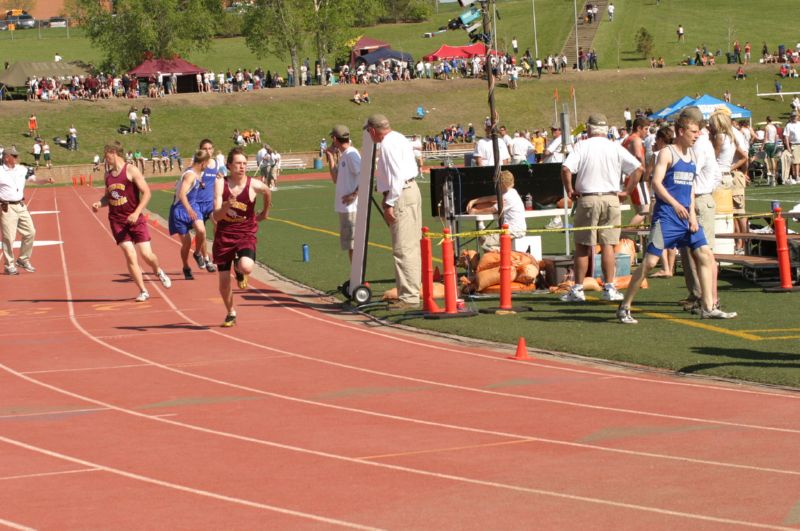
(522, 351)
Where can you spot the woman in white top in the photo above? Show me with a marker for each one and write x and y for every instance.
(730, 158)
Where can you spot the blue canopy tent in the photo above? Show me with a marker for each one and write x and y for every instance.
(707, 105)
(669, 109)
(382, 54)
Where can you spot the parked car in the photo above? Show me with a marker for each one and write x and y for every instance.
(3, 25)
(22, 22)
(57, 22)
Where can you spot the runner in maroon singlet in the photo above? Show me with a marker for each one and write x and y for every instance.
(126, 196)
(237, 225)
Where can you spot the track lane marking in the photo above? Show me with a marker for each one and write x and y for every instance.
(14, 525)
(47, 474)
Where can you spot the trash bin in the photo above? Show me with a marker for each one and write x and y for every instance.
(731, 57)
(317, 163)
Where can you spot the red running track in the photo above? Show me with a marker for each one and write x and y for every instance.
(120, 415)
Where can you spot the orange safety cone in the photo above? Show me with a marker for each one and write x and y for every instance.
(522, 351)
(83, 180)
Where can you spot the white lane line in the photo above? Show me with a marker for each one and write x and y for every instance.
(14, 525)
(83, 369)
(47, 413)
(183, 488)
(47, 474)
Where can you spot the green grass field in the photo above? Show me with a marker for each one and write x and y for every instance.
(760, 346)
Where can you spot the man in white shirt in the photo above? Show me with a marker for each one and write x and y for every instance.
(14, 215)
(628, 118)
(520, 149)
(611, 12)
(262, 161)
(484, 151)
(553, 153)
(344, 164)
(791, 141)
(598, 163)
(395, 174)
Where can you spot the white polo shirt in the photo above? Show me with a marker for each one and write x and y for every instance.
(599, 163)
(347, 173)
(792, 133)
(12, 182)
(484, 150)
(395, 166)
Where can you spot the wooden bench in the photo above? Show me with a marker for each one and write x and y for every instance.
(755, 268)
(286, 164)
(445, 154)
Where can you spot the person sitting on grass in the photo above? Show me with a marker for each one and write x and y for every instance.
(357, 98)
(740, 73)
(675, 221)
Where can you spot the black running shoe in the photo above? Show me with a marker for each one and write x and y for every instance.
(230, 320)
(187, 273)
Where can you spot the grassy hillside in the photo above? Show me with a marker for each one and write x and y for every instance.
(715, 23)
(295, 119)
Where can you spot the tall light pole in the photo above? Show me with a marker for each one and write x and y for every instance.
(575, 7)
(535, 37)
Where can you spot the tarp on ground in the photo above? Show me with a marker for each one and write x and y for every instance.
(365, 45)
(17, 74)
(382, 54)
(457, 52)
(179, 66)
(708, 104)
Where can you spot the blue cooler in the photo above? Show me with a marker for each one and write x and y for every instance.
(317, 163)
(623, 265)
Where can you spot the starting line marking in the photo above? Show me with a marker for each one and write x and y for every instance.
(37, 243)
(38, 212)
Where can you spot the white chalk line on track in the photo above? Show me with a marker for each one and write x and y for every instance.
(14, 525)
(362, 462)
(175, 486)
(408, 419)
(180, 313)
(56, 412)
(48, 474)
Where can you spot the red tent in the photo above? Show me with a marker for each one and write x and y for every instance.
(177, 65)
(458, 52)
(366, 45)
(184, 70)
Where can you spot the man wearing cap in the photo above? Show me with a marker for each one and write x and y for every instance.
(484, 150)
(344, 163)
(395, 173)
(14, 215)
(553, 153)
(598, 163)
(791, 139)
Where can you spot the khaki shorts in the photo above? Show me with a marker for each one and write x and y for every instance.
(739, 182)
(347, 229)
(597, 210)
(796, 154)
(706, 209)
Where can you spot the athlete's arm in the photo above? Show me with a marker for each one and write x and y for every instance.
(220, 206)
(187, 181)
(136, 176)
(261, 188)
(693, 224)
(97, 205)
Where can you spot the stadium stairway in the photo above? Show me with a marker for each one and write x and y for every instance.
(586, 32)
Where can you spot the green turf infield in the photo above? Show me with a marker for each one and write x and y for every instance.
(761, 345)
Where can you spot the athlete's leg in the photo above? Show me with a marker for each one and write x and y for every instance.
(129, 251)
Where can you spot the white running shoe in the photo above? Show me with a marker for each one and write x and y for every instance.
(716, 313)
(610, 293)
(143, 296)
(164, 279)
(555, 223)
(26, 265)
(624, 316)
(574, 295)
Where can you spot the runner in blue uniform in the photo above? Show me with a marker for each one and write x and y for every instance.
(674, 220)
(205, 205)
(185, 214)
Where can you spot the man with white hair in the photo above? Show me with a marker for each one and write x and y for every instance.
(484, 150)
(598, 163)
(520, 148)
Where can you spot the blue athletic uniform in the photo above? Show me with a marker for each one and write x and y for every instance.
(668, 230)
(179, 220)
(205, 197)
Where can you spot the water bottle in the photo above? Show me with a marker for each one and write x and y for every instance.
(529, 202)
(306, 253)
